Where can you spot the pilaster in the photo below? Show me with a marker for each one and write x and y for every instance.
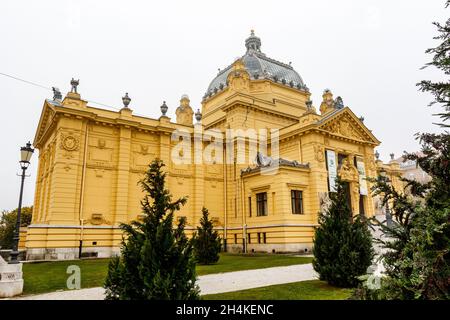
(123, 173)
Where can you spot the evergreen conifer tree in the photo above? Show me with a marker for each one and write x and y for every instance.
(342, 245)
(206, 241)
(157, 261)
(417, 259)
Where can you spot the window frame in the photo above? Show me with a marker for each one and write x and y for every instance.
(261, 204)
(294, 205)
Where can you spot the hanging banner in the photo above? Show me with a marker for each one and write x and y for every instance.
(362, 177)
(332, 169)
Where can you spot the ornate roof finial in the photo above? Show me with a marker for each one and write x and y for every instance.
(126, 100)
(74, 83)
(392, 156)
(253, 42)
(339, 103)
(164, 108)
(198, 115)
(377, 155)
(57, 96)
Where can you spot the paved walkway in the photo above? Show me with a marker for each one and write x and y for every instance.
(209, 284)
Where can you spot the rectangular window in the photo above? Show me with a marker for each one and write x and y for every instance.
(297, 201)
(264, 237)
(259, 237)
(235, 238)
(249, 238)
(249, 206)
(261, 204)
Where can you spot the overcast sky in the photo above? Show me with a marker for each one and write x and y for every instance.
(368, 52)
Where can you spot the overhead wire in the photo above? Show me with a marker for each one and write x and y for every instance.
(51, 88)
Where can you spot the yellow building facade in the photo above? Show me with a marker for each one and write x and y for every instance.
(91, 159)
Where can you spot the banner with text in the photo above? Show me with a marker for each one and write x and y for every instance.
(332, 169)
(362, 177)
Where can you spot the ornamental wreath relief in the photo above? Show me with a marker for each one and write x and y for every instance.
(69, 142)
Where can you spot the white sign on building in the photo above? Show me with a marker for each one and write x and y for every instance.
(362, 178)
(332, 169)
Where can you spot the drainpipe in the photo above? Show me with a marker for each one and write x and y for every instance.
(225, 199)
(244, 222)
(86, 136)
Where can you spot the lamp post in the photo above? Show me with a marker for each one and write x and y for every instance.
(388, 212)
(25, 156)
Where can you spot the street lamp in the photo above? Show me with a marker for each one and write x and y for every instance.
(388, 212)
(25, 156)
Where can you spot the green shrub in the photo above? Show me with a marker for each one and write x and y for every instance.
(342, 245)
(157, 260)
(206, 241)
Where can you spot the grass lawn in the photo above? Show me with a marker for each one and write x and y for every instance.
(43, 277)
(304, 290)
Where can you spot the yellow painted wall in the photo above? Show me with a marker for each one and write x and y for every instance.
(90, 162)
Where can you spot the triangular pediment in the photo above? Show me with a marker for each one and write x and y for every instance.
(346, 124)
(45, 121)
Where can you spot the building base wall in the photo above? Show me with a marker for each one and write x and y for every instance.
(34, 254)
(47, 254)
(301, 248)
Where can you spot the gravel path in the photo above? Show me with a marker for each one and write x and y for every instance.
(209, 284)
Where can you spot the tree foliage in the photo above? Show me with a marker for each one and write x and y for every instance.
(342, 245)
(441, 61)
(8, 221)
(417, 259)
(157, 260)
(206, 241)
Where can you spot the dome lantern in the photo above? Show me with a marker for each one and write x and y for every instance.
(253, 42)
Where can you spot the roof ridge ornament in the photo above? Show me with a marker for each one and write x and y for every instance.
(339, 103)
(164, 108)
(126, 100)
(57, 96)
(74, 83)
(253, 43)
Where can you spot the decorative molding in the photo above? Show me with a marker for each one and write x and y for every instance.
(348, 172)
(100, 165)
(101, 143)
(297, 185)
(69, 142)
(99, 173)
(98, 219)
(319, 153)
(260, 188)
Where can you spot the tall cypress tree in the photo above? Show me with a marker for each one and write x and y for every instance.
(157, 261)
(206, 241)
(342, 245)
